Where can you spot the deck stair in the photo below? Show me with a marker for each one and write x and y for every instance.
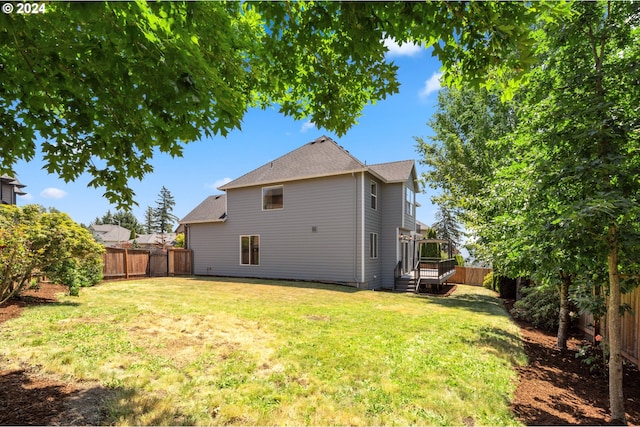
(405, 283)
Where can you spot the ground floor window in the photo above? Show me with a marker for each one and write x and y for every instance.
(250, 250)
(373, 245)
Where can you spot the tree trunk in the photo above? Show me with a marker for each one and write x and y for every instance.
(563, 328)
(616, 396)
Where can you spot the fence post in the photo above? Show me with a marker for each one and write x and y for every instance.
(126, 263)
(170, 262)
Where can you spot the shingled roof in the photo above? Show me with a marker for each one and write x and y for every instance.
(321, 157)
(393, 172)
(318, 158)
(212, 209)
(17, 185)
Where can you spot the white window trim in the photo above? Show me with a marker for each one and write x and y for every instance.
(259, 250)
(262, 197)
(373, 245)
(410, 203)
(373, 196)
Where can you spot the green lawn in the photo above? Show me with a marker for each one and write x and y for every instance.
(223, 351)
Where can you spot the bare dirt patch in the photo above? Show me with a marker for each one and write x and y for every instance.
(31, 398)
(554, 389)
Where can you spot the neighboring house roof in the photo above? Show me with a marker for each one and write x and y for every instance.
(154, 238)
(212, 209)
(110, 232)
(421, 226)
(17, 185)
(318, 158)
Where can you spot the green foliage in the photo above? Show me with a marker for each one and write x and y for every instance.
(430, 250)
(124, 219)
(150, 226)
(459, 260)
(179, 240)
(595, 357)
(163, 218)
(548, 183)
(105, 85)
(446, 225)
(489, 282)
(35, 241)
(540, 305)
(76, 273)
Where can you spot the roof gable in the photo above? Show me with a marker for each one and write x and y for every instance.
(321, 157)
(212, 209)
(393, 172)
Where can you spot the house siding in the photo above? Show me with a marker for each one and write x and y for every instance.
(6, 194)
(373, 224)
(409, 219)
(313, 237)
(392, 200)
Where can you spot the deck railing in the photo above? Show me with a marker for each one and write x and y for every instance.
(434, 271)
(397, 272)
(436, 268)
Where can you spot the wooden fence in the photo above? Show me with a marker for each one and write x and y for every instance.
(469, 275)
(132, 263)
(630, 327)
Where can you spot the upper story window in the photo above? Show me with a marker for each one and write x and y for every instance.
(410, 204)
(273, 197)
(374, 195)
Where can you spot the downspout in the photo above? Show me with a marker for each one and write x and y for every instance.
(362, 232)
(355, 227)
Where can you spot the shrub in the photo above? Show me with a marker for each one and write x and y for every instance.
(76, 273)
(488, 281)
(540, 306)
(459, 260)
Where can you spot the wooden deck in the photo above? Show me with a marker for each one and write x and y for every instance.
(431, 273)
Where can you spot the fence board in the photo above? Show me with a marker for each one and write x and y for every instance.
(630, 344)
(179, 261)
(133, 263)
(158, 264)
(630, 326)
(469, 275)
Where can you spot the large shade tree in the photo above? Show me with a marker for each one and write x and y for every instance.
(102, 87)
(559, 200)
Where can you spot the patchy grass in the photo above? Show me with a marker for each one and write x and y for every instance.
(183, 351)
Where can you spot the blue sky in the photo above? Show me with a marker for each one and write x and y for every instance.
(385, 133)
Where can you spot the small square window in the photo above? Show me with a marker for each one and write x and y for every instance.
(273, 198)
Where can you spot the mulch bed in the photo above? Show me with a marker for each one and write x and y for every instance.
(555, 388)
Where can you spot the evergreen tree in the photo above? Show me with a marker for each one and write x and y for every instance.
(123, 219)
(447, 226)
(150, 226)
(162, 214)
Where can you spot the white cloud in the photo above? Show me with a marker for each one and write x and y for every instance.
(431, 85)
(407, 48)
(219, 183)
(53, 193)
(307, 126)
(26, 197)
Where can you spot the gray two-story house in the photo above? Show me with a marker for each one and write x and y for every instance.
(9, 189)
(316, 213)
